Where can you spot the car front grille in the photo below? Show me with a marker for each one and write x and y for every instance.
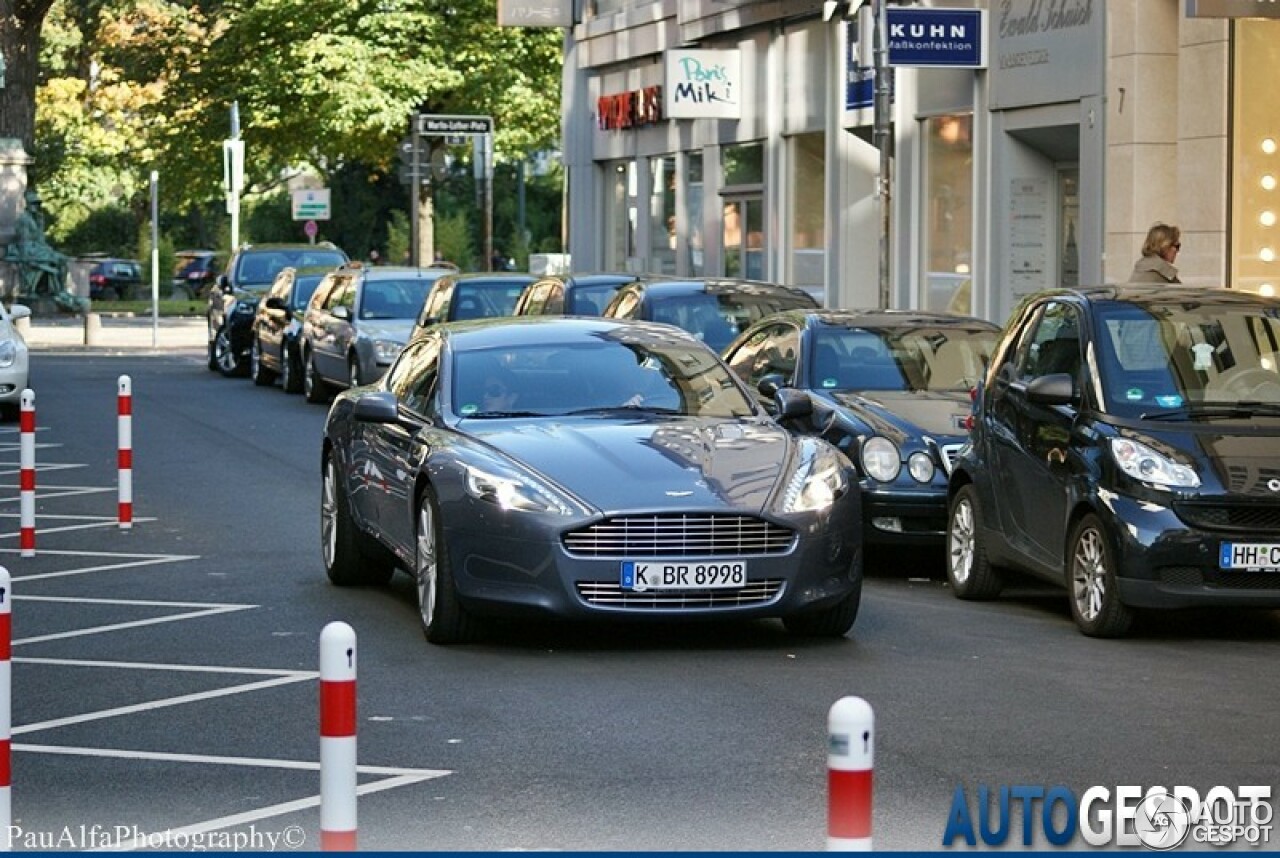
(680, 535)
(1236, 517)
(1192, 576)
(609, 594)
(950, 452)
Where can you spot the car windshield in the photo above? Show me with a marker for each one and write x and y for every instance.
(716, 317)
(479, 300)
(1165, 357)
(304, 286)
(393, 299)
(908, 358)
(589, 300)
(607, 378)
(259, 268)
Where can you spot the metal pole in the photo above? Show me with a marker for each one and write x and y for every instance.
(884, 142)
(415, 191)
(155, 259)
(234, 191)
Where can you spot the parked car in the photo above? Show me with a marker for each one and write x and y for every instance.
(277, 328)
(714, 310)
(233, 304)
(500, 462)
(357, 322)
(457, 296)
(15, 367)
(115, 279)
(890, 388)
(1126, 446)
(194, 273)
(571, 294)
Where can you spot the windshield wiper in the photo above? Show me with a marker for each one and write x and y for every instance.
(622, 409)
(1244, 408)
(475, 414)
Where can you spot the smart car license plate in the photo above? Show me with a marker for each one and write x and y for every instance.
(683, 574)
(1250, 556)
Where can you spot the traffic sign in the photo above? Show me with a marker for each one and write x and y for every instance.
(311, 228)
(430, 125)
(312, 204)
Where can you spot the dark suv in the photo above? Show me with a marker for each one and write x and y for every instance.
(233, 301)
(194, 273)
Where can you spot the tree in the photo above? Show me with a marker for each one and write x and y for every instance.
(20, 25)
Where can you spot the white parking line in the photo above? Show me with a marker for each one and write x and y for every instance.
(203, 610)
(40, 468)
(148, 560)
(180, 668)
(255, 762)
(48, 492)
(104, 522)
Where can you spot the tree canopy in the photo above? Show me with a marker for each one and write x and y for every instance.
(130, 86)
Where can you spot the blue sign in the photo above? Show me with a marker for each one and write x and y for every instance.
(954, 38)
(860, 80)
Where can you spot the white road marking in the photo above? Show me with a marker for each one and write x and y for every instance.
(214, 760)
(172, 558)
(133, 624)
(102, 523)
(180, 668)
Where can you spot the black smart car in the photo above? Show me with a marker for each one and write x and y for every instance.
(1126, 445)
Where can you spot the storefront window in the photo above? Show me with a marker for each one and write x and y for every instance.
(693, 203)
(620, 246)
(662, 215)
(1255, 159)
(947, 232)
(808, 209)
(743, 165)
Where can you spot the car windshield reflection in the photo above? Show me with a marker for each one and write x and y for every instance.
(905, 359)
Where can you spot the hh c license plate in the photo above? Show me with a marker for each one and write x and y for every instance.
(1250, 556)
(683, 574)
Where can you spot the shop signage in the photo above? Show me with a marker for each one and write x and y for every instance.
(1233, 9)
(703, 84)
(629, 109)
(1046, 52)
(929, 38)
(535, 13)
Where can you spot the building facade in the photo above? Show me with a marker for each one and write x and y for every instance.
(732, 137)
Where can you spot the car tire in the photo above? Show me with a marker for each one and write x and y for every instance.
(213, 358)
(290, 372)
(261, 375)
(1091, 582)
(444, 619)
(313, 387)
(224, 354)
(344, 561)
(832, 622)
(969, 572)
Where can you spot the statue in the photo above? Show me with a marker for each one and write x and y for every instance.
(42, 270)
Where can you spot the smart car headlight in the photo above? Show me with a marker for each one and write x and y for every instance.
(818, 481)
(8, 353)
(881, 459)
(1143, 463)
(514, 491)
(920, 464)
(385, 351)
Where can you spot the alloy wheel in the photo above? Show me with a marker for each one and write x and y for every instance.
(426, 561)
(1089, 575)
(329, 514)
(960, 541)
(223, 353)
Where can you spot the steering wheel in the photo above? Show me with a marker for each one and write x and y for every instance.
(1245, 382)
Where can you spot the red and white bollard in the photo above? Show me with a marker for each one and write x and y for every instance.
(124, 457)
(6, 706)
(338, 738)
(850, 757)
(27, 473)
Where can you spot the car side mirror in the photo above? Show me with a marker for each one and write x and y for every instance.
(770, 384)
(223, 283)
(1058, 388)
(378, 406)
(792, 403)
(19, 311)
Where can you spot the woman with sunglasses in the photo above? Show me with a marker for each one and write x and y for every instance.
(1158, 252)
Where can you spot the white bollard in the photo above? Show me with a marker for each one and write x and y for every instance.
(92, 328)
(850, 759)
(124, 456)
(6, 708)
(27, 473)
(338, 738)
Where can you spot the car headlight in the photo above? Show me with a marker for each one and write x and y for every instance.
(513, 491)
(920, 464)
(881, 459)
(1142, 463)
(819, 480)
(8, 353)
(386, 350)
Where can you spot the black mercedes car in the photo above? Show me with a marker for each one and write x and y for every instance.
(584, 468)
(1126, 446)
(891, 388)
(233, 302)
(277, 327)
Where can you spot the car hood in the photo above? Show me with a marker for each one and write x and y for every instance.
(684, 463)
(1238, 463)
(395, 330)
(896, 413)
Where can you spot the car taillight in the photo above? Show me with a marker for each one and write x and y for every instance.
(967, 423)
(97, 278)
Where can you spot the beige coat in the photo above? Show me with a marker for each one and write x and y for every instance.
(1154, 269)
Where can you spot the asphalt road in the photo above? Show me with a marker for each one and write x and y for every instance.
(164, 677)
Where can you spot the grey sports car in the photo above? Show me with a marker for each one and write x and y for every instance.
(584, 468)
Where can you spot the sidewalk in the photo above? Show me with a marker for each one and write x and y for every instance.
(99, 332)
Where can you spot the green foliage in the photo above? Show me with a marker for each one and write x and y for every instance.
(399, 235)
(167, 259)
(111, 230)
(453, 240)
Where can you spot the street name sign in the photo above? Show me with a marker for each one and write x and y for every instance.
(443, 126)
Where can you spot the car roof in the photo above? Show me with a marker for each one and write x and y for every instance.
(1161, 293)
(491, 278)
(665, 286)
(881, 318)
(563, 330)
(403, 272)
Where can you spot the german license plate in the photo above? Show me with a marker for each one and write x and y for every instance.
(683, 574)
(1250, 556)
